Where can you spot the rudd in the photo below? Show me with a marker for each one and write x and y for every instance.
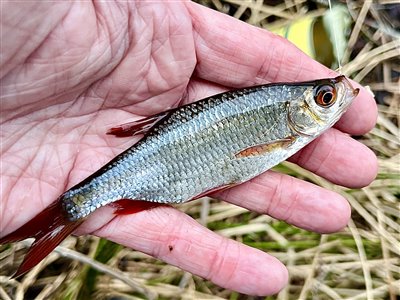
(192, 151)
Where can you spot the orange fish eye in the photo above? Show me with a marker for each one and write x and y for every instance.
(325, 95)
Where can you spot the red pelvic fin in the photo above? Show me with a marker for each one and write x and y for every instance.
(49, 228)
(140, 126)
(127, 207)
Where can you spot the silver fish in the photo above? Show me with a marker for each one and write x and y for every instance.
(197, 149)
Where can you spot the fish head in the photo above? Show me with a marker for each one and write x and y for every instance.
(321, 105)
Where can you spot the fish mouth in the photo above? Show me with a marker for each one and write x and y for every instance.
(342, 79)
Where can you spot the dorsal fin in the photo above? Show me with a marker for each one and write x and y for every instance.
(141, 126)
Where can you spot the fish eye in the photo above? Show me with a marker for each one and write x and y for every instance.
(325, 95)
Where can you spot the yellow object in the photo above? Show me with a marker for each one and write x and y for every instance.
(300, 34)
(315, 36)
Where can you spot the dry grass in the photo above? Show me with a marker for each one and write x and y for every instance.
(361, 262)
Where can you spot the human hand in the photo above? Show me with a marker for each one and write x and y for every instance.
(71, 71)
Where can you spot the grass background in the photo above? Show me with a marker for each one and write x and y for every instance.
(361, 262)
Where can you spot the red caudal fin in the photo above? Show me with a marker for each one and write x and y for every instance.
(127, 207)
(140, 126)
(49, 228)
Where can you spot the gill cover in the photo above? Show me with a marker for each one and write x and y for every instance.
(321, 105)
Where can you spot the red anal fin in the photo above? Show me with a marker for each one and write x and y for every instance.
(127, 206)
(49, 228)
(140, 126)
(214, 190)
(265, 148)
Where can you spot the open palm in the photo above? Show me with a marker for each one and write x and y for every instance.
(71, 71)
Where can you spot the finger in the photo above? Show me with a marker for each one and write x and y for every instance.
(340, 159)
(177, 239)
(295, 201)
(232, 53)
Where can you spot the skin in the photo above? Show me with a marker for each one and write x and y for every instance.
(70, 71)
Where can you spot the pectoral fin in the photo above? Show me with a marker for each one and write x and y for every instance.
(262, 149)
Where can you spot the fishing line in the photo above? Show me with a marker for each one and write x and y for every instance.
(336, 41)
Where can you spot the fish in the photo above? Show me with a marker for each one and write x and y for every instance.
(192, 151)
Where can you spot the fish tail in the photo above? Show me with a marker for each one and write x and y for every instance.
(49, 228)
